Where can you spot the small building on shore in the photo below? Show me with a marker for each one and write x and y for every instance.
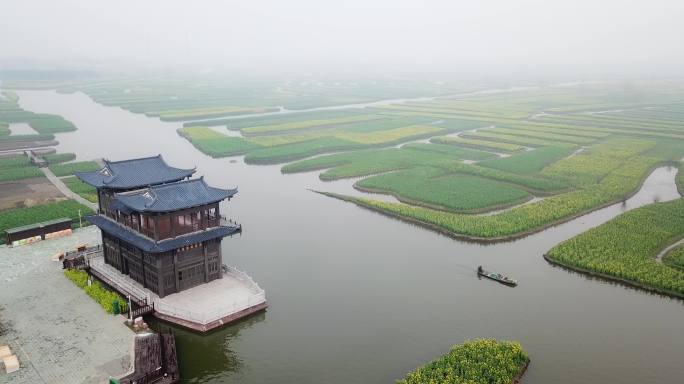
(161, 235)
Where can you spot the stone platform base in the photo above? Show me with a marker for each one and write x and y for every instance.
(214, 324)
(202, 308)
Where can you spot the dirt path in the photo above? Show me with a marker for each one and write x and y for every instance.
(65, 190)
(667, 250)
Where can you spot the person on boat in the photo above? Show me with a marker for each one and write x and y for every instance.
(479, 269)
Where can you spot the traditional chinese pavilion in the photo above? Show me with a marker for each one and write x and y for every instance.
(160, 226)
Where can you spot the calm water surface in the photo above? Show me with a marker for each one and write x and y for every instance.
(356, 297)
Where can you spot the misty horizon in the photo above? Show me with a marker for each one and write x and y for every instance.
(492, 39)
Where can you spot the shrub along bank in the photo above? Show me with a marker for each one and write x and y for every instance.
(480, 361)
(106, 298)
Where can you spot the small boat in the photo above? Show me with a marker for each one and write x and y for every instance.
(497, 277)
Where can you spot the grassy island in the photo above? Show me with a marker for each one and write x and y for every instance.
(625, 248)
(42, 123)
(480, 361)
(524, 219)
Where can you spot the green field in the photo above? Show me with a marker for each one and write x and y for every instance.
(14, 161)
(544, 135)
(295, 151)
(18, 173)
(17, 168)
(480, 361)
(447, 158)
(66, 169)
(528, 162)
(216, 144)
(293, 139)
(451, 150)
(84, 190)
(479, 144)
(246, 122)
(597, 161)
(625, 248)
(504, 138)
(206, 113)
(535, 183)
(308, 124)
(432, 187)
(370, 161)
(57, 158)
(391, 135)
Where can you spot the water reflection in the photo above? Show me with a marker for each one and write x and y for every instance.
(208, 355)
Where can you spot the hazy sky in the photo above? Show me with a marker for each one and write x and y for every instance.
(487, 35)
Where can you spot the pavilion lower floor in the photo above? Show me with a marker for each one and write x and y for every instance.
(167, 272)
(201, 308)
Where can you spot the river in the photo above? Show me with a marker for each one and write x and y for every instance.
(356, 297)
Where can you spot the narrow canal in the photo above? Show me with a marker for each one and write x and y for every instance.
(356, 297)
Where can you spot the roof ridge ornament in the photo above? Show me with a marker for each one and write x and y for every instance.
(150, 197)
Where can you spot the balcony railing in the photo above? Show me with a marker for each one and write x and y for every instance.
(211, 222)
(149, 232)
(221, 221)
(228, 222)
(182, 229)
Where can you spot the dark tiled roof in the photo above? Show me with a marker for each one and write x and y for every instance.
(172, 197)
(147, 245)
(134, 173)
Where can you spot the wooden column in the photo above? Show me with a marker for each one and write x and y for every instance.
(156, 228)
(104, 249)
(172, 220)
(142, 262)
(120, 256)
(99, 201)
(160, 274)
(206, 264)
(175, 270)
(203, 218)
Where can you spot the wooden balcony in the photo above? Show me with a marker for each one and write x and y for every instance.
(178, 229)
